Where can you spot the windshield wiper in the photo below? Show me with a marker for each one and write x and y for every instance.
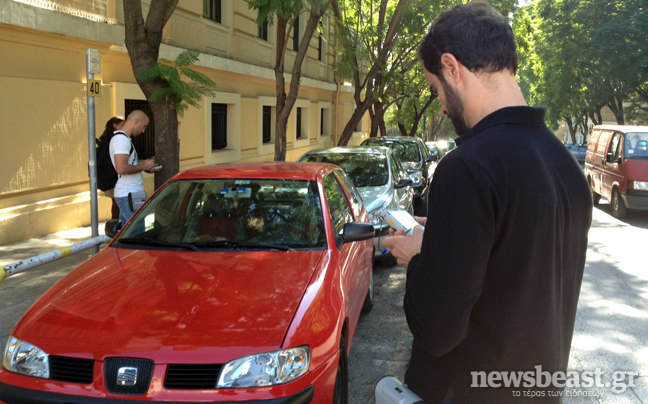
(153, 242)
(247, 245)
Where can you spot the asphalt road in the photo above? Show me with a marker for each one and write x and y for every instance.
(382, 342)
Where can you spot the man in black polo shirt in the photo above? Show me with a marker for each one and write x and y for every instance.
(493, 280)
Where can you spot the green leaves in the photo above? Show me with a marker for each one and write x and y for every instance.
(187, 93)
(584, 54)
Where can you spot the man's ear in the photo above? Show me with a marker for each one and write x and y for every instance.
(451, 67)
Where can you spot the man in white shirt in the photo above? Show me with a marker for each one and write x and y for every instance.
(124, 158)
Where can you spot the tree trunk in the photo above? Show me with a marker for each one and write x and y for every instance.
(420, 114)
(280, 90)
(373, 132)
(285, 102)
(402, 129)
(570, 128)
(361, 108)
(143, 43)
(616, 105)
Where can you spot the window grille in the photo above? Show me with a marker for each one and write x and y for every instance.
(219, 126)
(267, 124)
(212, 10)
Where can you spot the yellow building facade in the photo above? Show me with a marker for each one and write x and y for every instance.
(44, 185)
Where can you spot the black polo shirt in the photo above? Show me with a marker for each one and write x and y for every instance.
(496, 285)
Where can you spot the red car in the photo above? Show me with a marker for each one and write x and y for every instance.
(233, 283)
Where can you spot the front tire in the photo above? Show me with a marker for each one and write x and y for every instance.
(619, 209)
(341, 392)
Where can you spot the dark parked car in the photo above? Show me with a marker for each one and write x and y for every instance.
(579, 151)
(419, 162)
(380, 179)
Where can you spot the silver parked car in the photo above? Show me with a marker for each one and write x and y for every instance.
(417, 160)
(380, 179)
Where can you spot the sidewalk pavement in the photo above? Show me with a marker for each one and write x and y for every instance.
(20, 291)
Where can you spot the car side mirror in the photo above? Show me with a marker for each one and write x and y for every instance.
(610, 158)
(404, 183)
(357, 232)
(112, 227)
(432, 157)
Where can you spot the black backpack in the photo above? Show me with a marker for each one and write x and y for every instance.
(106, 174)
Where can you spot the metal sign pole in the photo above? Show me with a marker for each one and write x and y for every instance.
(92, 63)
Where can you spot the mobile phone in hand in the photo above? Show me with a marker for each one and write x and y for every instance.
(402, 219)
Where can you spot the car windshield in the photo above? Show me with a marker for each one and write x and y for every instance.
(405, 150)
(364, 169)
(636, 146)
(238, 213)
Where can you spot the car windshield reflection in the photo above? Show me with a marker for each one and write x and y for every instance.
(231, 214)
(636, 146)
(405, 150)
(364, 169)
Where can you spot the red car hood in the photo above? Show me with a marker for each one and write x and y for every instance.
(171, 306)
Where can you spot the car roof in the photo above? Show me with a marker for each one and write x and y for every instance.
(623, 128)
(350, 149)
(392, 138)
(265, 169)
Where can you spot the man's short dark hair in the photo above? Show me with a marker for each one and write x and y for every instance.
(476, 34)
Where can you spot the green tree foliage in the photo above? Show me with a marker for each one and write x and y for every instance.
(377, 45)
(186, 92)
(413, 100)
(585, 55)
(366, 34)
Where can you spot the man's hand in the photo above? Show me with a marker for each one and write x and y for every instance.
(403, 248)
(148, 165)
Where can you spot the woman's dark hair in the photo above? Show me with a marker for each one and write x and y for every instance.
(110, 127)
(477, 35)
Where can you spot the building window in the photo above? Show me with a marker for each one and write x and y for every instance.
(296, 34)
(212, 10)
(320, 42)
(145, 143)
(219, 126)
(267, 124)
(325, 119)
(299, 123)
(263, 30)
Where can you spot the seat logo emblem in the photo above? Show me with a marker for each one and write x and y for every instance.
(126, 376)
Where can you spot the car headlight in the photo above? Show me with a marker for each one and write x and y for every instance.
(417, 178)
(377, 216)
(266, 369)
(642, 185)
(22, 357)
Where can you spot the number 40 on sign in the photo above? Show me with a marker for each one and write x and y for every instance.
(94, 88)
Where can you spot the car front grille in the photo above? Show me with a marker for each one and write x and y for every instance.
(178, 376)
(73, 370)
(192, 377)
(128, 376)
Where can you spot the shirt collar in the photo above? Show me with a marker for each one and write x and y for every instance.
(520, 114)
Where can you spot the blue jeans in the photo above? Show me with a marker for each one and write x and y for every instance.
(125, 211)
